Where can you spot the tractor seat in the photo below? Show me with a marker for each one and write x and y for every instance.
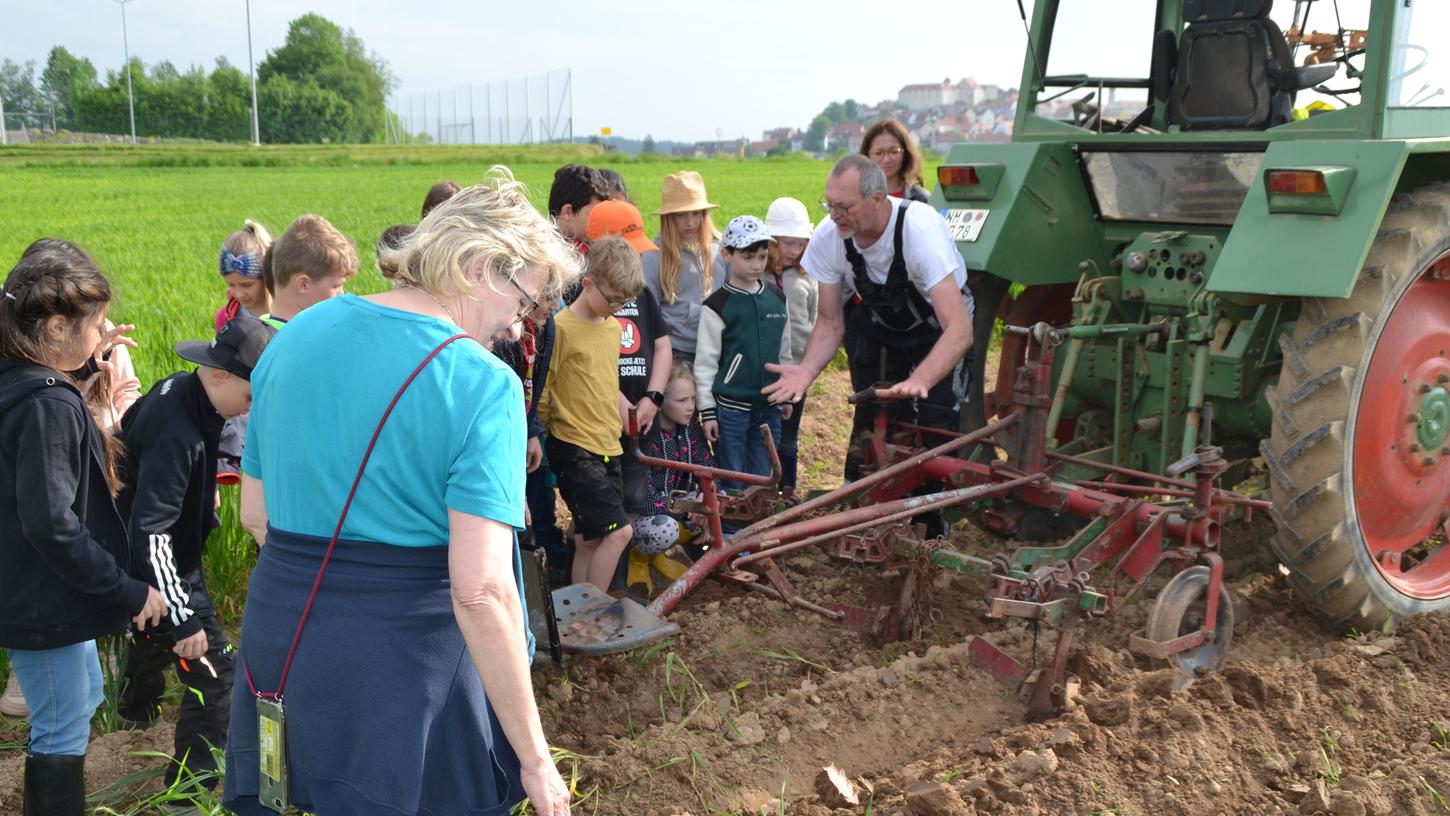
(1234, 69)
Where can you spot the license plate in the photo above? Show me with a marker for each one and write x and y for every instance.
(965, 225)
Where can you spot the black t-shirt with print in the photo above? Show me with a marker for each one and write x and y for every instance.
(640, 326)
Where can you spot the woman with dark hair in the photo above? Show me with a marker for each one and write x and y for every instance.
(890, 147)
(66, 579)
(400, 684)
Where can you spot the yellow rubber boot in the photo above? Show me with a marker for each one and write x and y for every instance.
(668, 567)
(638, 572)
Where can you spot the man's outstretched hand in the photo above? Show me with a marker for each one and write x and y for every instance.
(791, 386)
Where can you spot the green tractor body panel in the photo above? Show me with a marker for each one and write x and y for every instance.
(1310, 254)
(1041, 226)
(1038, 217)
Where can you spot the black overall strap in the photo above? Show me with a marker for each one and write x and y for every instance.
(895, 307)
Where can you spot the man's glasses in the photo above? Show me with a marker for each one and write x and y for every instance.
(527, 303)
(886, 152)
(837, 209)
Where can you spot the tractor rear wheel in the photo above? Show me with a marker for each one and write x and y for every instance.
(1359, 456)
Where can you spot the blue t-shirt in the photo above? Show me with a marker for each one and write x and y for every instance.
(455, 440)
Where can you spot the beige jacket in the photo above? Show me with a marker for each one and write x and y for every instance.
(800, 306)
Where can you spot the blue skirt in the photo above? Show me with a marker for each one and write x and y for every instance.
(385, 712)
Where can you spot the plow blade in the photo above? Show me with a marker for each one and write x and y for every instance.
(592, 623)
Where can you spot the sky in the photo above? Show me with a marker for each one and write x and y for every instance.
(676, 70)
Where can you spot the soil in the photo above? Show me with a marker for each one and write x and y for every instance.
(743, 710)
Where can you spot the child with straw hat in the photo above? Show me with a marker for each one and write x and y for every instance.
(683, 273)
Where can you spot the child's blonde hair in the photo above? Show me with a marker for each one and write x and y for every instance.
(672, 243)
(683, 371)
(252, 237)
(613, 262)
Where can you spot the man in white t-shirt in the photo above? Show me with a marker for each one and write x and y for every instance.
(900, 266)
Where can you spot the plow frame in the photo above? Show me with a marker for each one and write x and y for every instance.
(871, 521)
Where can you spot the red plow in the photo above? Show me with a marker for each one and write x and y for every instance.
(1133, 524)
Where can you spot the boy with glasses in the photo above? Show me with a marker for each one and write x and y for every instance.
(580, 409)
(743, 328)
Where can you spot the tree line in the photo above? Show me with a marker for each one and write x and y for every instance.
(321, 85)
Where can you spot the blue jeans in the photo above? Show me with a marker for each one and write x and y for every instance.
(740, 446)
(63, 689)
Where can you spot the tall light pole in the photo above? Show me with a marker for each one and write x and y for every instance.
(252, 68)
(125, 43)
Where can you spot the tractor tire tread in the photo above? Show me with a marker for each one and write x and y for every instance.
(1307, 453)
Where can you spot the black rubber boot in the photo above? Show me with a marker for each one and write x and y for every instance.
(55, 785)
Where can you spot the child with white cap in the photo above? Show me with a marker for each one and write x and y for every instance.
(790, 226)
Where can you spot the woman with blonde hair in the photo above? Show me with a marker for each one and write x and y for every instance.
(688, 265)
(890, 147)
(384, 455)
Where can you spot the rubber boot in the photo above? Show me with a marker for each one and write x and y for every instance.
(639, 572)
(55, 785)
(12, 704)
(667, 566)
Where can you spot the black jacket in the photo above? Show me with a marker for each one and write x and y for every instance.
(169, 493)
(64, 556)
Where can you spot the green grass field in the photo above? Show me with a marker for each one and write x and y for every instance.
(154, 221)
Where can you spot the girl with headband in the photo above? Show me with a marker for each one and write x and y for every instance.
(240, 264)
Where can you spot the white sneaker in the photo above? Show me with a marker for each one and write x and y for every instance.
(12, 704)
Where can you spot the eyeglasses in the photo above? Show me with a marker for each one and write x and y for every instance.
(613, 302)
(527, 303)
(838, 209)
(886, 152)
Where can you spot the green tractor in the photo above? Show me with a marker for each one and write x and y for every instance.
(1252, 206)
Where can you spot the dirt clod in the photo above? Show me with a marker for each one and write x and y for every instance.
(1033, 764)
(936, 799)
(1316, 801)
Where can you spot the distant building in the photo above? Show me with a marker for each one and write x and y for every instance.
(726, 147)
(845, 134)
(792, 138)
(921, 97)
(969, 93)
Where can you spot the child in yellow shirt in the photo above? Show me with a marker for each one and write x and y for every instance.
(580, 409)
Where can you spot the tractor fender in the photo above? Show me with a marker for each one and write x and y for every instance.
(1304, 255)
(1039, 224)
